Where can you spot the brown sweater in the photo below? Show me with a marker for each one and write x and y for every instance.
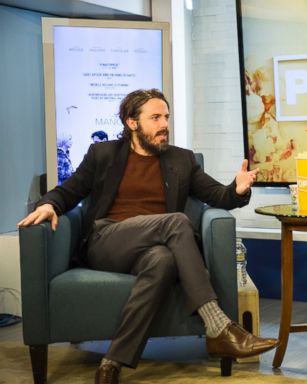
(141, 190)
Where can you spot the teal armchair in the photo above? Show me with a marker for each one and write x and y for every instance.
(61, 303)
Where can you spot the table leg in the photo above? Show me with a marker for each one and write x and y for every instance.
(286, 293)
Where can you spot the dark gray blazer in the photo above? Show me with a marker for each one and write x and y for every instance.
(102, 169)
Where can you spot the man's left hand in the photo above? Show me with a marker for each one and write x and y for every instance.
(245, 179)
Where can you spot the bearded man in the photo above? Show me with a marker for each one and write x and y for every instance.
(138, 187)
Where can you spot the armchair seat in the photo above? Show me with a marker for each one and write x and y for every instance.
(74, 294)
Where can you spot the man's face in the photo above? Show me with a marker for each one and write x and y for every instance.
(151, 131)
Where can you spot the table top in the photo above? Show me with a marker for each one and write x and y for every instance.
(281, 210)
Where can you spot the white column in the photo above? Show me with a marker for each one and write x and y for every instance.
(175, 12)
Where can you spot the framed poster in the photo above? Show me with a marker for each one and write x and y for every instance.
(89, 67)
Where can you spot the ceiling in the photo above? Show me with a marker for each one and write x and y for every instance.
(74, 8)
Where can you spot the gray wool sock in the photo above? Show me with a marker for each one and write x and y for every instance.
(214, 318)
(105, 361)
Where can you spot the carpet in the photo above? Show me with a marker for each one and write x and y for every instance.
(71, 365)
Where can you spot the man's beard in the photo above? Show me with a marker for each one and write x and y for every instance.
(146, 141)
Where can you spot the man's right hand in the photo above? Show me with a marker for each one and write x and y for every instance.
(42, 213)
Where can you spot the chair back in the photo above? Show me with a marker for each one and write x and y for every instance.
(194, 207)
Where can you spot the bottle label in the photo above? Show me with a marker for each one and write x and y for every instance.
(240, 257)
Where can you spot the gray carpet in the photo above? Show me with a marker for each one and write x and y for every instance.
(73, 366)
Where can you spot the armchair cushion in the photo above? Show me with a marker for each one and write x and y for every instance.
(86, 304)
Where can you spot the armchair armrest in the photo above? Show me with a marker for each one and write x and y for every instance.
(218, 233)
(43, 255)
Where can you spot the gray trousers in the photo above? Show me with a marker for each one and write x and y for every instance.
(158, 250)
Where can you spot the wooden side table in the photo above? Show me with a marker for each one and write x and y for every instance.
(291, 220)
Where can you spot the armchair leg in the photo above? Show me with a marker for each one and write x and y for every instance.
(226, 366)
(39, 359)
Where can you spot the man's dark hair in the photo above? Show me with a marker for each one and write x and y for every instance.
(131, 106)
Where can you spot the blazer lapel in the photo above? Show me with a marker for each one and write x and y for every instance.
(171, 182)
(113, 177)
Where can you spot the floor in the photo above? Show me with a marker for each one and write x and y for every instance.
(191, 349)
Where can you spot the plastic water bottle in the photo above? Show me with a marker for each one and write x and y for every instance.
(241, 263)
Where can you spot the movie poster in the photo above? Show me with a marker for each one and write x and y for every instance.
(95, 68)
(275, 73)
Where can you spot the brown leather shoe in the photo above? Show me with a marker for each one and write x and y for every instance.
(236, 342)
(107, 374)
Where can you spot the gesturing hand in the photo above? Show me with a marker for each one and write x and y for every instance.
(42, 213)
(245, 179)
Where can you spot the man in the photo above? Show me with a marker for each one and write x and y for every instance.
(138, 187)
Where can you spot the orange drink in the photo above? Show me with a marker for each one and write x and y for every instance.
(301, 175)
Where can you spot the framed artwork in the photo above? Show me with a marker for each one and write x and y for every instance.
(272, 39)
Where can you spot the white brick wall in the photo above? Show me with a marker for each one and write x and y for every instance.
(217, 99)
